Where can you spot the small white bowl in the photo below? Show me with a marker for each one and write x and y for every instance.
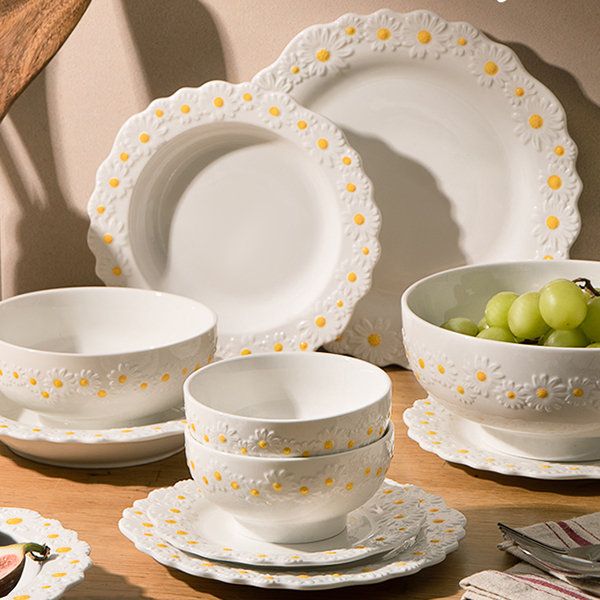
(530, 401)
(288, 404)
(290, 500)
(101, 356)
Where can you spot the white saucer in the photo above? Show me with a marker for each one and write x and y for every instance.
(146, 441)
(66, 564)
(457, 440)
(443, 529)
(390, 520)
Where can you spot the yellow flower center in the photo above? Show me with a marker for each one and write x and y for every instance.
(536, 121)
(559, 150)
(350, 30)
(491, 68)
(374, 339)
(323, 55)
(578, 392)
(461, 41)
(274, 111)
(552, 222)
(384, 34)
(481, 376)
(320, 321)
(218, 102)
(554, 182)
(519, 91)
(541, 392)
(322, 144)
(424, 36)
(144, 138)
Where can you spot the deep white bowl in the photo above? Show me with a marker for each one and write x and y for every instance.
(288, 404)
(290, 500)
(101, 356)
(531, 401)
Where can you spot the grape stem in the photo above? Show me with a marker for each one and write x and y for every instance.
(586, 284)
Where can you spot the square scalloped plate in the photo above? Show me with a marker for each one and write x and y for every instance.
(239, 198)
(440, 534)
(68, 559)
(469, 155)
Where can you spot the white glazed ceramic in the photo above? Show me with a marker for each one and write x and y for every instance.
(290, 500)
(186, 520)
(141, 441)
(101, 357)
(246, 201)
(443, 529)
(469, 155)
(68, 561)
(533, 401)
(464, 442)
(288, 404)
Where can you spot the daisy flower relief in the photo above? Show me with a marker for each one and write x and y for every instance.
(188, 107)
(278, 342)
(15, 376)
(114, 266)
(324, 50)
(353, 281)
(510, 394)
(275, 109)
(564, 151)
(87, 382)
(326, 143)
(559, 182)
(323, 325)
(444, 371)
(220, 101)
(101, 206)
(123, 375)
(303, 123)
(483, 375)
(33, 379)
(375, 341)
(278, 483)
(290, 71)
(382, 31)
(354, 185)
(352, 27)
(362, 221)
(60, 382)
(545, 393)
(581, 391)
(147, 131)
(112, 177)
(425, 34)
(247, 94)
(539, 122)
(556, 225)
(111, 232)
(492, 65)
(518, 89)
(463, 38)
(242, 346)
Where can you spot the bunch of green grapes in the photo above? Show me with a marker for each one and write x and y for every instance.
(563, 313)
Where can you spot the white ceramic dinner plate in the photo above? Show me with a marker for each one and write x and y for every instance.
(440, 534)
(146, 440)
(66, 565)
(469, 155)
(189, 522)
(459, 441)
(240, 198)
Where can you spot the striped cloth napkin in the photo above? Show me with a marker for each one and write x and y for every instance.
(525, 582)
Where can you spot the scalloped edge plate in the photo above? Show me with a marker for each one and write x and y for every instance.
(443, 529)
(349, 218)
(454, 439)
(323, 56)
(68, 560)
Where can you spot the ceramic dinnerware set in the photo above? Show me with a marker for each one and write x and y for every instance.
(301, 207)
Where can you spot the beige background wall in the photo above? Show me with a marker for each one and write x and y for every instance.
(126, 52)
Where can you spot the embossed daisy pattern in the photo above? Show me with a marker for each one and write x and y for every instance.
(492, 64)
(275, 110)
(463, 38)
(565, 151)
(540, 122)
(324, 50)
(219, 101)
(559, 181)
(519, 88)
(557, 225)
(445, 372)
(187, 106)
(325, 320)
(545, 393)
(147, 132)
(510, 394)
(382, 31)
(352, 26)
(87, 382)
(483, 375)
(582, 391)
(290, 72)
(325, 143)
(374, 340)
(59, 382)
(360, 224)
(354, 281)
(424, 34)
(124, 375)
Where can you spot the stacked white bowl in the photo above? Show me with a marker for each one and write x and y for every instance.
(289, 444)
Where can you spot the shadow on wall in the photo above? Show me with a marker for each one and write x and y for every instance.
(178, 45)
(583, 123)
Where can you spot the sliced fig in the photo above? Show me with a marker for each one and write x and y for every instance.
(12, 563)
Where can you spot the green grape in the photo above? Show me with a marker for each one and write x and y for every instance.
(562, 305)
(496, 310)
(566, 338)
(524, 318)
(498, 334)
(591, 323)
(461, 325)
(594, 345)
(482, 324)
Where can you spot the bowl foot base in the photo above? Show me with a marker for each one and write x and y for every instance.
(550, 448)
(290, 533)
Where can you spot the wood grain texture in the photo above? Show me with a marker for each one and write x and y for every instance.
(91, 503)
(31, 33)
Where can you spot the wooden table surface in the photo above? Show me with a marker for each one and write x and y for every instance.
(91, 503)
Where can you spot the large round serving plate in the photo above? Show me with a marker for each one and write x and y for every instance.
(469, 155)
(242, 198)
